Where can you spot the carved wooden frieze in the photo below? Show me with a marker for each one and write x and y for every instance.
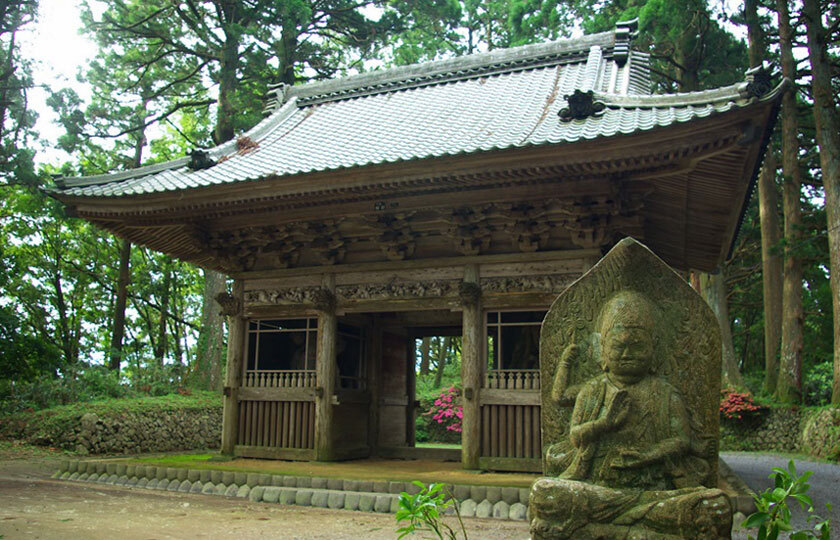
(549, 283)
(399, 290)
(283, 296)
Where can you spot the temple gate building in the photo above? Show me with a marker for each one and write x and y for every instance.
(455, 197)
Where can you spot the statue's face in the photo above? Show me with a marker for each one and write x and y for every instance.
(628, 351)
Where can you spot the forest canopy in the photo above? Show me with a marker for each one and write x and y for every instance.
(84, 314)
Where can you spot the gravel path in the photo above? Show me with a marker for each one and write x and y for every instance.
(754, 469)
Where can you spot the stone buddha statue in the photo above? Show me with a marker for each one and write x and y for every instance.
(633, 462)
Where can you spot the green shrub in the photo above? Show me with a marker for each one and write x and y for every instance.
(423, 512)
(817, 389)
(773, 513)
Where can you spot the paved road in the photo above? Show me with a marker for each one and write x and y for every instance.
(754, 469)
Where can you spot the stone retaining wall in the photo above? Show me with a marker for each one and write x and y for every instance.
(336, 493)
(779, 430)
(134, 432)
(821, 435)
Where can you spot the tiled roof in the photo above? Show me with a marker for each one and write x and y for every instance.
(499, 100)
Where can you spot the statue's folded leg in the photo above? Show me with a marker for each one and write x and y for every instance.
(700, 513)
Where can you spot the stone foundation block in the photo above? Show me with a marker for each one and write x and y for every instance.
(303, 497)
(182, 474)
(171, 473)
(193, 475)
(484, 509)
(110, 468)
(518, 512)
(231, 490)
(113, 479)
(523, 495)
(100, 468)
(204, 476)
(83, 477)
(174, 485)
(510, 495)
(351, 501)
(209, 488)
(256, 494)
(120, 469)
(395, 505)
(252, 479)
(152, 484)
(131, 470)
(221, 489)
(197, 487)
(121, 481)
(277, 480)
(304, 482)
(494, 494)
(216, 477)
(227, 478)
(264, 480)
(501, 510)
(185, 486)
(288, 495)
(366, 502)
(350, 485)
(243, 491)
(271, 494)
(381, 486)
(318, 483)
(73, 476)
(335, 500)
(396, 488)
(319, 498)
(142, 482)
(478, 493)
(382, 504)
(467, 508)
(240, 478)
(289, 481)
(335, 484)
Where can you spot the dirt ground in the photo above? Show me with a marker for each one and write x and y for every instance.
(34, 506)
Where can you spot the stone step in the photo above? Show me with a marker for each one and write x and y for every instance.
(363, 495)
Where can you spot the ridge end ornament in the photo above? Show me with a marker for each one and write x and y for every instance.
(581, 105)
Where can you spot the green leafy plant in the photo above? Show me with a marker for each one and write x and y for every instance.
(424, 510)
(773, 514)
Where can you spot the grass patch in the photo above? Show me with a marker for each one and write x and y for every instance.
(450, 446)
(178, 459)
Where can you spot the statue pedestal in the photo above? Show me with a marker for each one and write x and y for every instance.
(568, 509)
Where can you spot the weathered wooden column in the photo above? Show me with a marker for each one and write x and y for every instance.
(232, 306)
(325, 369)
(471, 361)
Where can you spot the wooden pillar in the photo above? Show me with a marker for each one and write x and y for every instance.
(325, 368)
(471, 362)
(374, 341)
(232, 307)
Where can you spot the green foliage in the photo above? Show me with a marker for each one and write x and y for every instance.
(773, 513)
(818, 384)
(423, 512)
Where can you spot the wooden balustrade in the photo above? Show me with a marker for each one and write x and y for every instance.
(513, 379)
(294, 378)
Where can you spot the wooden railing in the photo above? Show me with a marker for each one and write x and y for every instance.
(293, 378)
(513, 379)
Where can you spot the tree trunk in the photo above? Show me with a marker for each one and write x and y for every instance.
(828, 138)
(768, 202)
(789, 384)
(425, 345)
(443, 352)
(160, 349)
(208, 358)
(714, 291)
(118, 332)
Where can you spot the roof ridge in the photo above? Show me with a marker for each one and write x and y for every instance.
(439, 71)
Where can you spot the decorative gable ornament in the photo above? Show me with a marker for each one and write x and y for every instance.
(760, 79)
(581, 105)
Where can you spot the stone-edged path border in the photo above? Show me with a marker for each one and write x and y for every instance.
(335, 493)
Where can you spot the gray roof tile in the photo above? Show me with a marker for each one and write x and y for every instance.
(381, 119)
